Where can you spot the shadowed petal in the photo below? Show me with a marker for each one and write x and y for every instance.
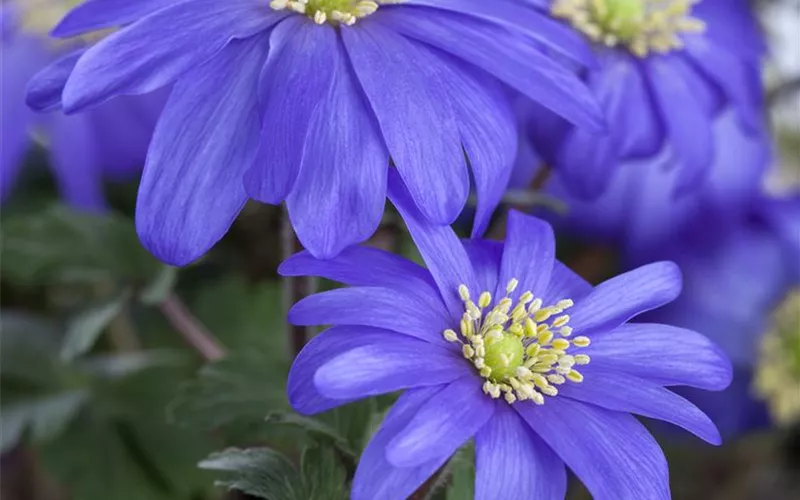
(511, 462)
(374, 306)
(528, 255)
(341, 188)
(294, 81)
(611, 452)
(191, 188)
(45, 88)
(663, 354)
(412, 105)
(445, 422)
(619, 391)
(439, 246)
(387, 364)
(617, 300)
(160, 48)
(565, 284)
(485, 256)
(375, 477)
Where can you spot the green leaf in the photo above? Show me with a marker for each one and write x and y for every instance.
(46, 417)
(461, 470)
(260, 472)
(161, 286)
(324, 476)
(59, 245)
(316, 428)
(84, 330)
(29, 352)
(115, 366)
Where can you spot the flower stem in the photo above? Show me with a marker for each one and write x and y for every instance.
(190, 328)
(295, 288)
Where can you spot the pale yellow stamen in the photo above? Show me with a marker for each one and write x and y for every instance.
(517, 347)
(336, 12)
(643, 26)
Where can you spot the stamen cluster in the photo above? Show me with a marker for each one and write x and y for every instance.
(778, 372)
(521, 350)
(346, 12)
(643, 26)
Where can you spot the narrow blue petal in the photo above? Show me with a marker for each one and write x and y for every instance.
(45, 88)
(75, 162)
(540, 26)
(688, 127)
(375, 477)
(507, 57)
(610, 452)
(619, 391)
(365, 266)
(442, 424)
(586, 162)
(341, 189)
(565, 284)
(731, 24)
(528, 255)
(617, 300)
(663, 354)
(160, 48)
(413, 108)
(295, 80)
(439, 246)
(94, 15)
(488, 132)
(513, 462)
(390, 362)
(376, 307)
(485, 256)
(300, 389)
(191, 189)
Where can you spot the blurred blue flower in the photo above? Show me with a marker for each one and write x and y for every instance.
(299, 101)
(110, 141)
(537, 389)
(666, 70)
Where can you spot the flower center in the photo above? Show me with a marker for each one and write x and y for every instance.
(777, 378)
(332, 11)
(643, 26)
(39, 16)
(521, 350)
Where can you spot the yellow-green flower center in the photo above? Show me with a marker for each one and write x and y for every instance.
(331, 11)
(643, 26)
(521, 350)
(39, 16)
(777, 379)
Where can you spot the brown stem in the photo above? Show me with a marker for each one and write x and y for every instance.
(190, 328)
(295, 288)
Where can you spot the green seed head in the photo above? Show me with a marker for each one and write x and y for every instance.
(621, 17)
(504, 356)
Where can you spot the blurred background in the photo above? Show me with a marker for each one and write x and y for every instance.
(119, 375)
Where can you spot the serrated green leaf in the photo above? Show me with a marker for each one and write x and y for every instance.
(84, 329)
(162, 285)
(316, 428)
(353, 422)
(46, 417)
(324, 476)
(260, 472)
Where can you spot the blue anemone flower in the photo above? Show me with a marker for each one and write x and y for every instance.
(481, 345)
(666, 69)
(306, 101)
(110, 141)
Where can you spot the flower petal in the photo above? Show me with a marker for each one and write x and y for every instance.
(191, 189)
(300, 389)
(160, 48)
(389, 362)
(611, 452)
(294, 81)
(507, 57)
(365, 266)
(341, 188)
(375, 477)
(565, 284)
(94, 15)
(663, 354)
(619, 391)
(401, 80)
(45, 88)
(528, 255)
(439, 246)
(444, 423)
(373, 306)
(617, 300)
(485, 256)
(513, 462)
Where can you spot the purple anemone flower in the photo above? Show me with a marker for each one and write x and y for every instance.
(306, 101)
(110, 141)
(666, 69)
(483, 346)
